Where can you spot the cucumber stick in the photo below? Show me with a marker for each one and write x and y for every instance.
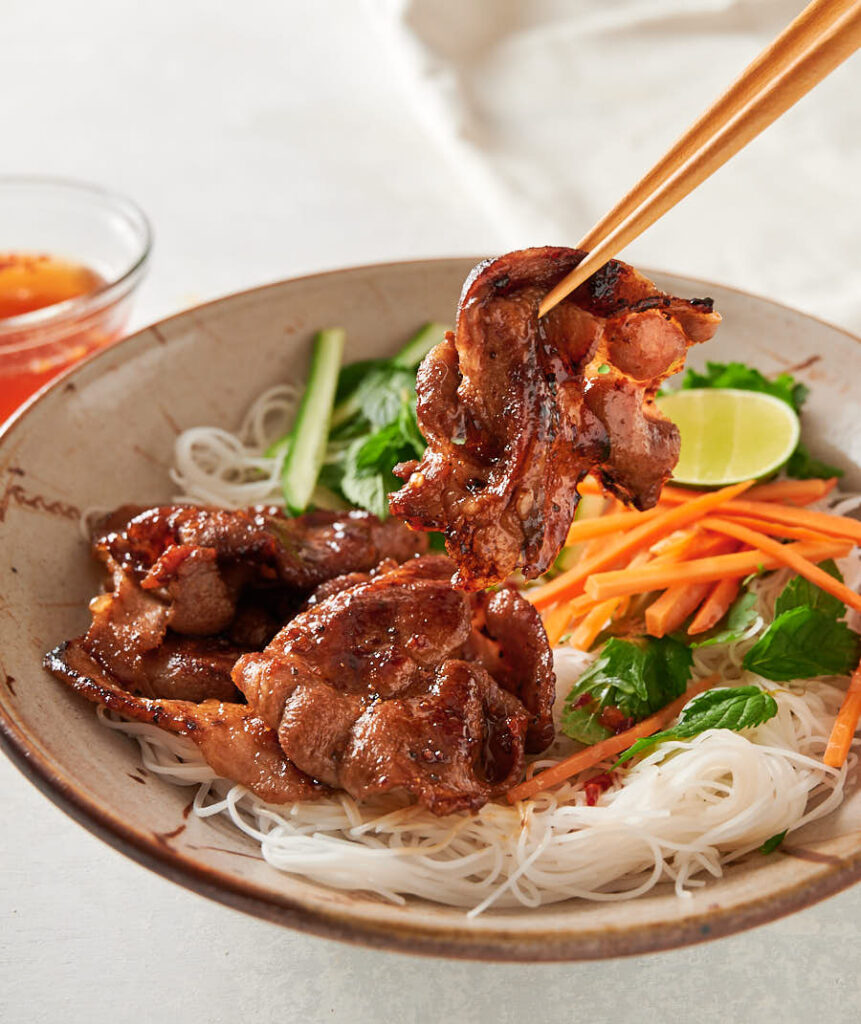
(307, 439)
(419, 345)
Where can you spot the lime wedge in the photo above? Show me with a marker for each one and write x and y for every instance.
(729, 435)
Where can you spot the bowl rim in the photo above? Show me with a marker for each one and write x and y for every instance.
(433, 940)
(105, 294)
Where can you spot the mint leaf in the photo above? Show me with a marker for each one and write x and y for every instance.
(741, 615)
(801, 593)
(771, 844)
(363, 471)
(807, 638)
(374, 426)
(382, 393)
(583, 724)
(746, 378)
(736, 708)
(803, 643)
(409, 428)
(363, 488)
(634, 679)
(803, 466)
(352, 375)
(380, 450)
(374, 400)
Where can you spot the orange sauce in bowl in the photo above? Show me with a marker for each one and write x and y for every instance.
(31, 281)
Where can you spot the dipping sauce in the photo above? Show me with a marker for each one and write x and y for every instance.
(31, 355)
(30, 281)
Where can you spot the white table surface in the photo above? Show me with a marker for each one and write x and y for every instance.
(268, 139)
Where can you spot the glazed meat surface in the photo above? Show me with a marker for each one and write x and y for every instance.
(402, 683)
(194, 587)
(202, 557)
(517, 410)
(233, 740)
(190, 590)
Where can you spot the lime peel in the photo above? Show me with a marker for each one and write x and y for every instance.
(729, 435)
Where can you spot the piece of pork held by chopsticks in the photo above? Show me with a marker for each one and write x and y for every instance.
(516, 410)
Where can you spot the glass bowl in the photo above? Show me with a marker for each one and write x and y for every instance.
(85, 225)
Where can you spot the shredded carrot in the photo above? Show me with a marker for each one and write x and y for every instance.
(671, 609)
(715, 606)
(822, 522)
(604, 585)
(697, 544)
(793, 492)
(582, 605)
(677, 546)
(787, 554)
(571, 583)
(556, 622)
(588, 529)
(694, 544)
(843, 730)
(587, 630)
(604, 750)
(592, 547)
(775, 529)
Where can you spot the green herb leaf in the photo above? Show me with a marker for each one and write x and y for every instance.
(746, 378)
(736, 708)
(409, 428)
(374, 426)
(636, 678)
(583, 725)
(362, 471)
(803, 643)
(770, 845)
(375, 402)
(741, 615)
(803, 466)
(436, 542)
(362, 487)
(801, 593)
(352, 375)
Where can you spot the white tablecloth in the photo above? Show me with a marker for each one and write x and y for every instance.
(273, 138)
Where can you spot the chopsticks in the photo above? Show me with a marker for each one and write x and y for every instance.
(824, 35)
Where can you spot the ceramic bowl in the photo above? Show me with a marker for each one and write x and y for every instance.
(103, 435)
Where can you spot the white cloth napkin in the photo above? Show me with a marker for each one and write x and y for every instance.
(551, 109)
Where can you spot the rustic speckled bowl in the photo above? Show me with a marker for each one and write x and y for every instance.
(103, 435)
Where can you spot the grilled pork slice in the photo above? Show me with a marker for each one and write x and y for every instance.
(517, 410)
(192, 588)
(235, 742)
(402, 683)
